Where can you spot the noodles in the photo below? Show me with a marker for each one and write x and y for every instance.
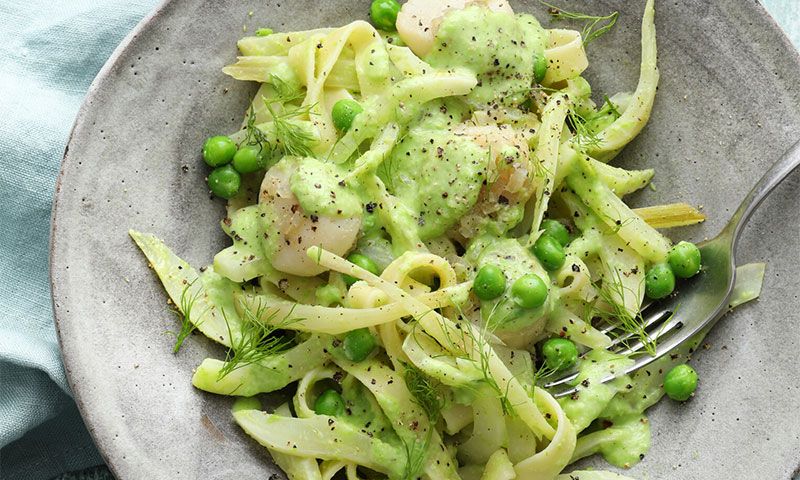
(422, 232)
(565, 56)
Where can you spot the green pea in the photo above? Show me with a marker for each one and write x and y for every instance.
(680, 382)
(263, 32)
(218, 150)
(684, 258)
(328, 295)
(549, 252)
(539, 68)
(529, 291)
(249, 159)
(659, 281)
(364, 262)
(329, 403)
(557, 230)
(490, 282)
(559, 354)
(224, 181)
(358, 344)
(344, 112)
(384, 14)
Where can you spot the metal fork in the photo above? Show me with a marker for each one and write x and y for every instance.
(703, 299)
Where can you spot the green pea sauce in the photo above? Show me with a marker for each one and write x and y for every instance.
(321, 189)
(514, 260)
(500, 48)
(438, 175)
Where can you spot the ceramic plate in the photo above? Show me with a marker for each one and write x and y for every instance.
(727, 108)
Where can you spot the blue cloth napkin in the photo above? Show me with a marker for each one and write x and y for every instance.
(49, 53)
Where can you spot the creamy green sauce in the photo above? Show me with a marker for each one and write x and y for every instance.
(248, 257)
(631, 440)
(320, 189)
(611, 412)
(437, 175)
(362, 411)
(593, 396)
(514, 260)
(376, 67)
(499, 48)
(442, 114)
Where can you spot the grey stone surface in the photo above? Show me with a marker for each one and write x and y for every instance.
(727, 107)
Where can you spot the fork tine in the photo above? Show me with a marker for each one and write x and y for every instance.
(672, 333)
(573, 375)
(680, 334)
(659, 334)
(660, 316)
(565, 393)
(610, 326)
(668, 346)
(607, 328)
(563, 380)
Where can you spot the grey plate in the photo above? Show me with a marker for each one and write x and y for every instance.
(727, 107)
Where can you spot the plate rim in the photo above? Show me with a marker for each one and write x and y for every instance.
(102, 74)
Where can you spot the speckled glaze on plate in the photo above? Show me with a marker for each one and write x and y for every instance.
(727, 108)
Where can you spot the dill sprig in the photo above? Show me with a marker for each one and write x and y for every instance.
(611, 107)
(184, 314)
(293, 138)
(612, 293)
(584, 137)
(539, 374)
(387, 171)
(426, 395)
(479, 343)
(618, 224)
(253, 134)
(425, 392)
(416, 454)
(285, 92)
(594, 25)
(258, 338)
(614, 220)
(539, 170)
(542, 373)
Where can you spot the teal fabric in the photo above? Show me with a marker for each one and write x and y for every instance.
(49, 53)
(787, 14)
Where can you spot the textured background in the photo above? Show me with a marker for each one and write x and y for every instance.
(48, 57)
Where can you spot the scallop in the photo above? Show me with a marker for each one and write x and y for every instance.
(419, 20)
(299, 231)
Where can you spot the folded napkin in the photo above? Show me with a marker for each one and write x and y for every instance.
(49, 54)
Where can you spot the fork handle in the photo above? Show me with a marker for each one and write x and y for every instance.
(775, 175)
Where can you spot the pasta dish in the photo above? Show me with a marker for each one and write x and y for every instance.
(426, 230)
